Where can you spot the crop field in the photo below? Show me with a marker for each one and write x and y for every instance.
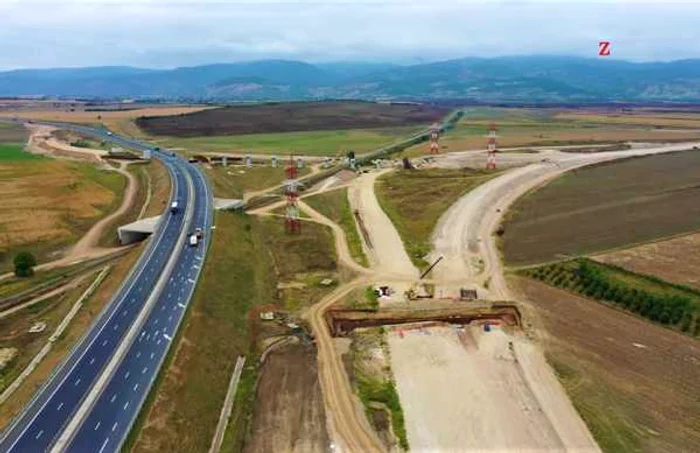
(633, 382)
(12, 134)
(309, 143)
(120, 121)
(604, 207)
(545, 127)
(49, 203)
(291, 117)
(676, 260)
(414, 200)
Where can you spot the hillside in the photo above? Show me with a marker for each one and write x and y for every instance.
(534, 78)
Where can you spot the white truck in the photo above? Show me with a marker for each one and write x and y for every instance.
(193, 240)
(174, 207)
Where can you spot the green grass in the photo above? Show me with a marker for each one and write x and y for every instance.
(14, 153)
(336, 206)
(384, 392)
(612, 427)
(232, 182)
(669, 304)
(414, 200)
(312, 143)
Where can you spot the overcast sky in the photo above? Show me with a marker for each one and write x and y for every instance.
(169, 33)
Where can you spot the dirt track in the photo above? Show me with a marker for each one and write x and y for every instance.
(464, 237)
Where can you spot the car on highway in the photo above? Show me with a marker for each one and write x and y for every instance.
(194, 240)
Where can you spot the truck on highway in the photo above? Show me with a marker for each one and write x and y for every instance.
(193, 240)
(174, 207)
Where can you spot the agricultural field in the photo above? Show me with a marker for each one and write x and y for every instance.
(671, 305)
(676, 260)
(307, 143)
(48, 203)
(183, 409)
(604, 207)
(291, 117)
(544, 127)
(633, 382)
(414, 200)
(118, 117)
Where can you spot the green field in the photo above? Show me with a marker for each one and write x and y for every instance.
(336, 206)
(312, 143)
(13, 153)
(234, 181)
(414, 200)
(604, 207)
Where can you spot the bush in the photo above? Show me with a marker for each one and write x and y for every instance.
(24, 264)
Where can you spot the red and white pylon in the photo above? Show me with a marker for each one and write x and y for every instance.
(435, 139)
(292, 224)
(491, 148)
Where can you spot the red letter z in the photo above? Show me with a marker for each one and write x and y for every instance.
(604, 48)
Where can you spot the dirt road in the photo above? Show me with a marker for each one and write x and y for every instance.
(386, 254)
(464, 238)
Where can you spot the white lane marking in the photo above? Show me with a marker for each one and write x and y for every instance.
(116, 326)
(138, 354)
(158, 342)
(104, 342)
(170, 318)
(126, 405)
(114, 397)
(77, 381)
(59, 407)
(39, 434)
(190, 280)
(168, 337)
(92, 360)
(153, 354)
(144, 370)
(114, 426)
(97, 425)
(181, 305)
(127, 374)
(104, 444)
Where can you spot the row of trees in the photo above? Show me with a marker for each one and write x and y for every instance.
(594, 281)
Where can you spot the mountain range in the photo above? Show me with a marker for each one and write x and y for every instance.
(501, 79)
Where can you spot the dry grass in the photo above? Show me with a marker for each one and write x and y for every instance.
(75, 330)
(49, 203)
(120, 121)
(606, 206)
(159, 177)
(635, 384)
(247, 258)
(676, 260)
(414, 200)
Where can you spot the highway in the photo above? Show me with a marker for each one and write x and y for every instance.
(167, 264)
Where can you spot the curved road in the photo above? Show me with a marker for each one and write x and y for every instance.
(165, 275)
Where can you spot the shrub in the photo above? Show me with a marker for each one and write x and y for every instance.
(24, 264)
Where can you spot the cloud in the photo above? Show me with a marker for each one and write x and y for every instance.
(167, 33)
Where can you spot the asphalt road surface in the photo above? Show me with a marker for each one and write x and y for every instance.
(45, 418)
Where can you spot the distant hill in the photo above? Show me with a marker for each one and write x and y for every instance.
(534, 78)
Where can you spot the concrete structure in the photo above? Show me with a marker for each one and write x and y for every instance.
(137, 231)
(227, 204)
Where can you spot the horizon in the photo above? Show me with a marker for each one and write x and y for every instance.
(358, 62)
(97, 33)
